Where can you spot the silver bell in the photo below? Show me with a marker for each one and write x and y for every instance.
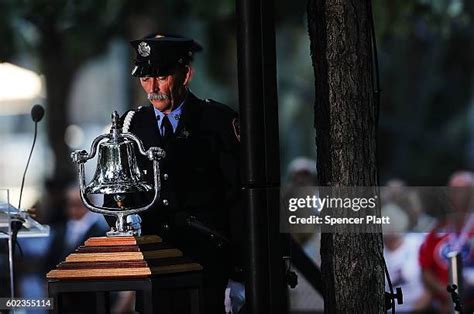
(117, 174)
(117, 170)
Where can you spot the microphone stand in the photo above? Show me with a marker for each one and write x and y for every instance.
(10, 263)
(16, 222)
(455, 281)
(10, 249)
(27, 164)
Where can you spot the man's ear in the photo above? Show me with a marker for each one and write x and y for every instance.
(188, 75)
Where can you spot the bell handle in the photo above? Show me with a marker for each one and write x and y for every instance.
(111, 211)
(94, 145)
(159, 153)
(81, 156)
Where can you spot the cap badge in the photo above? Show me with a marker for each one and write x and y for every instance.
(144, 49)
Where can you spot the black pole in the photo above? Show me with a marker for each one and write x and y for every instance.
(265, 285)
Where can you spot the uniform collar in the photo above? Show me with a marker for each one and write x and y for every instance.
(188, 121)
(173, 116)
(190, 116)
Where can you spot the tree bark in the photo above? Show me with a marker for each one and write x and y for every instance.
(59, 74)
(346, 122)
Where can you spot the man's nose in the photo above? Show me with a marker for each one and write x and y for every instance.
(154, 85)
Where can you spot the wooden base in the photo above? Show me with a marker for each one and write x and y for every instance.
(123, 257)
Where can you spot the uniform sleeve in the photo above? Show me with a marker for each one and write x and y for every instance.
(230, 160)
(230, 167)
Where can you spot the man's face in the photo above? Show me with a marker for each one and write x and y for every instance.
(165, 92)
(460, 192)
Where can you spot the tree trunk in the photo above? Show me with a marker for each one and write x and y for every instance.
(345, 122)
(59, 74)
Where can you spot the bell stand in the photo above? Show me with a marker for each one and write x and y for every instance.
(121, 254)
(121, 228)
(117, 139)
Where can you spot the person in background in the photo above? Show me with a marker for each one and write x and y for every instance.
(80, 225)
(401, 246)
(302, 172)
(453, 233)
(302, 181)
(39, 255)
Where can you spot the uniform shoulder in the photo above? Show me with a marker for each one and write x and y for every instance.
(222, 120)
(218, 110)
(133, 116)
(140, 110)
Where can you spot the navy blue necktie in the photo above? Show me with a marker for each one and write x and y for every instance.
(167, 129)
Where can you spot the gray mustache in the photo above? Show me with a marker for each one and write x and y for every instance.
(157, 96)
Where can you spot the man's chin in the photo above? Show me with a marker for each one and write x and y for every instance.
(161, 105)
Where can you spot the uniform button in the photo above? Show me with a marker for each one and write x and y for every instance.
(166, 202)
(165, 176)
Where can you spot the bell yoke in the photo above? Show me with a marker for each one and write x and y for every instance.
(118, 174)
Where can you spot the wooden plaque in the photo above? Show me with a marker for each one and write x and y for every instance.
(122, 257)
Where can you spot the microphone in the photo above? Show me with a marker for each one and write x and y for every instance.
(37, 113)
(184, 219)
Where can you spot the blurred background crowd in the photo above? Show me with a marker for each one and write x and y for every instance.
(73, 57)
(426, 225)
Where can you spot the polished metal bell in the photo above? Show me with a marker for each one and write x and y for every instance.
(117, 174)
(117, 170)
